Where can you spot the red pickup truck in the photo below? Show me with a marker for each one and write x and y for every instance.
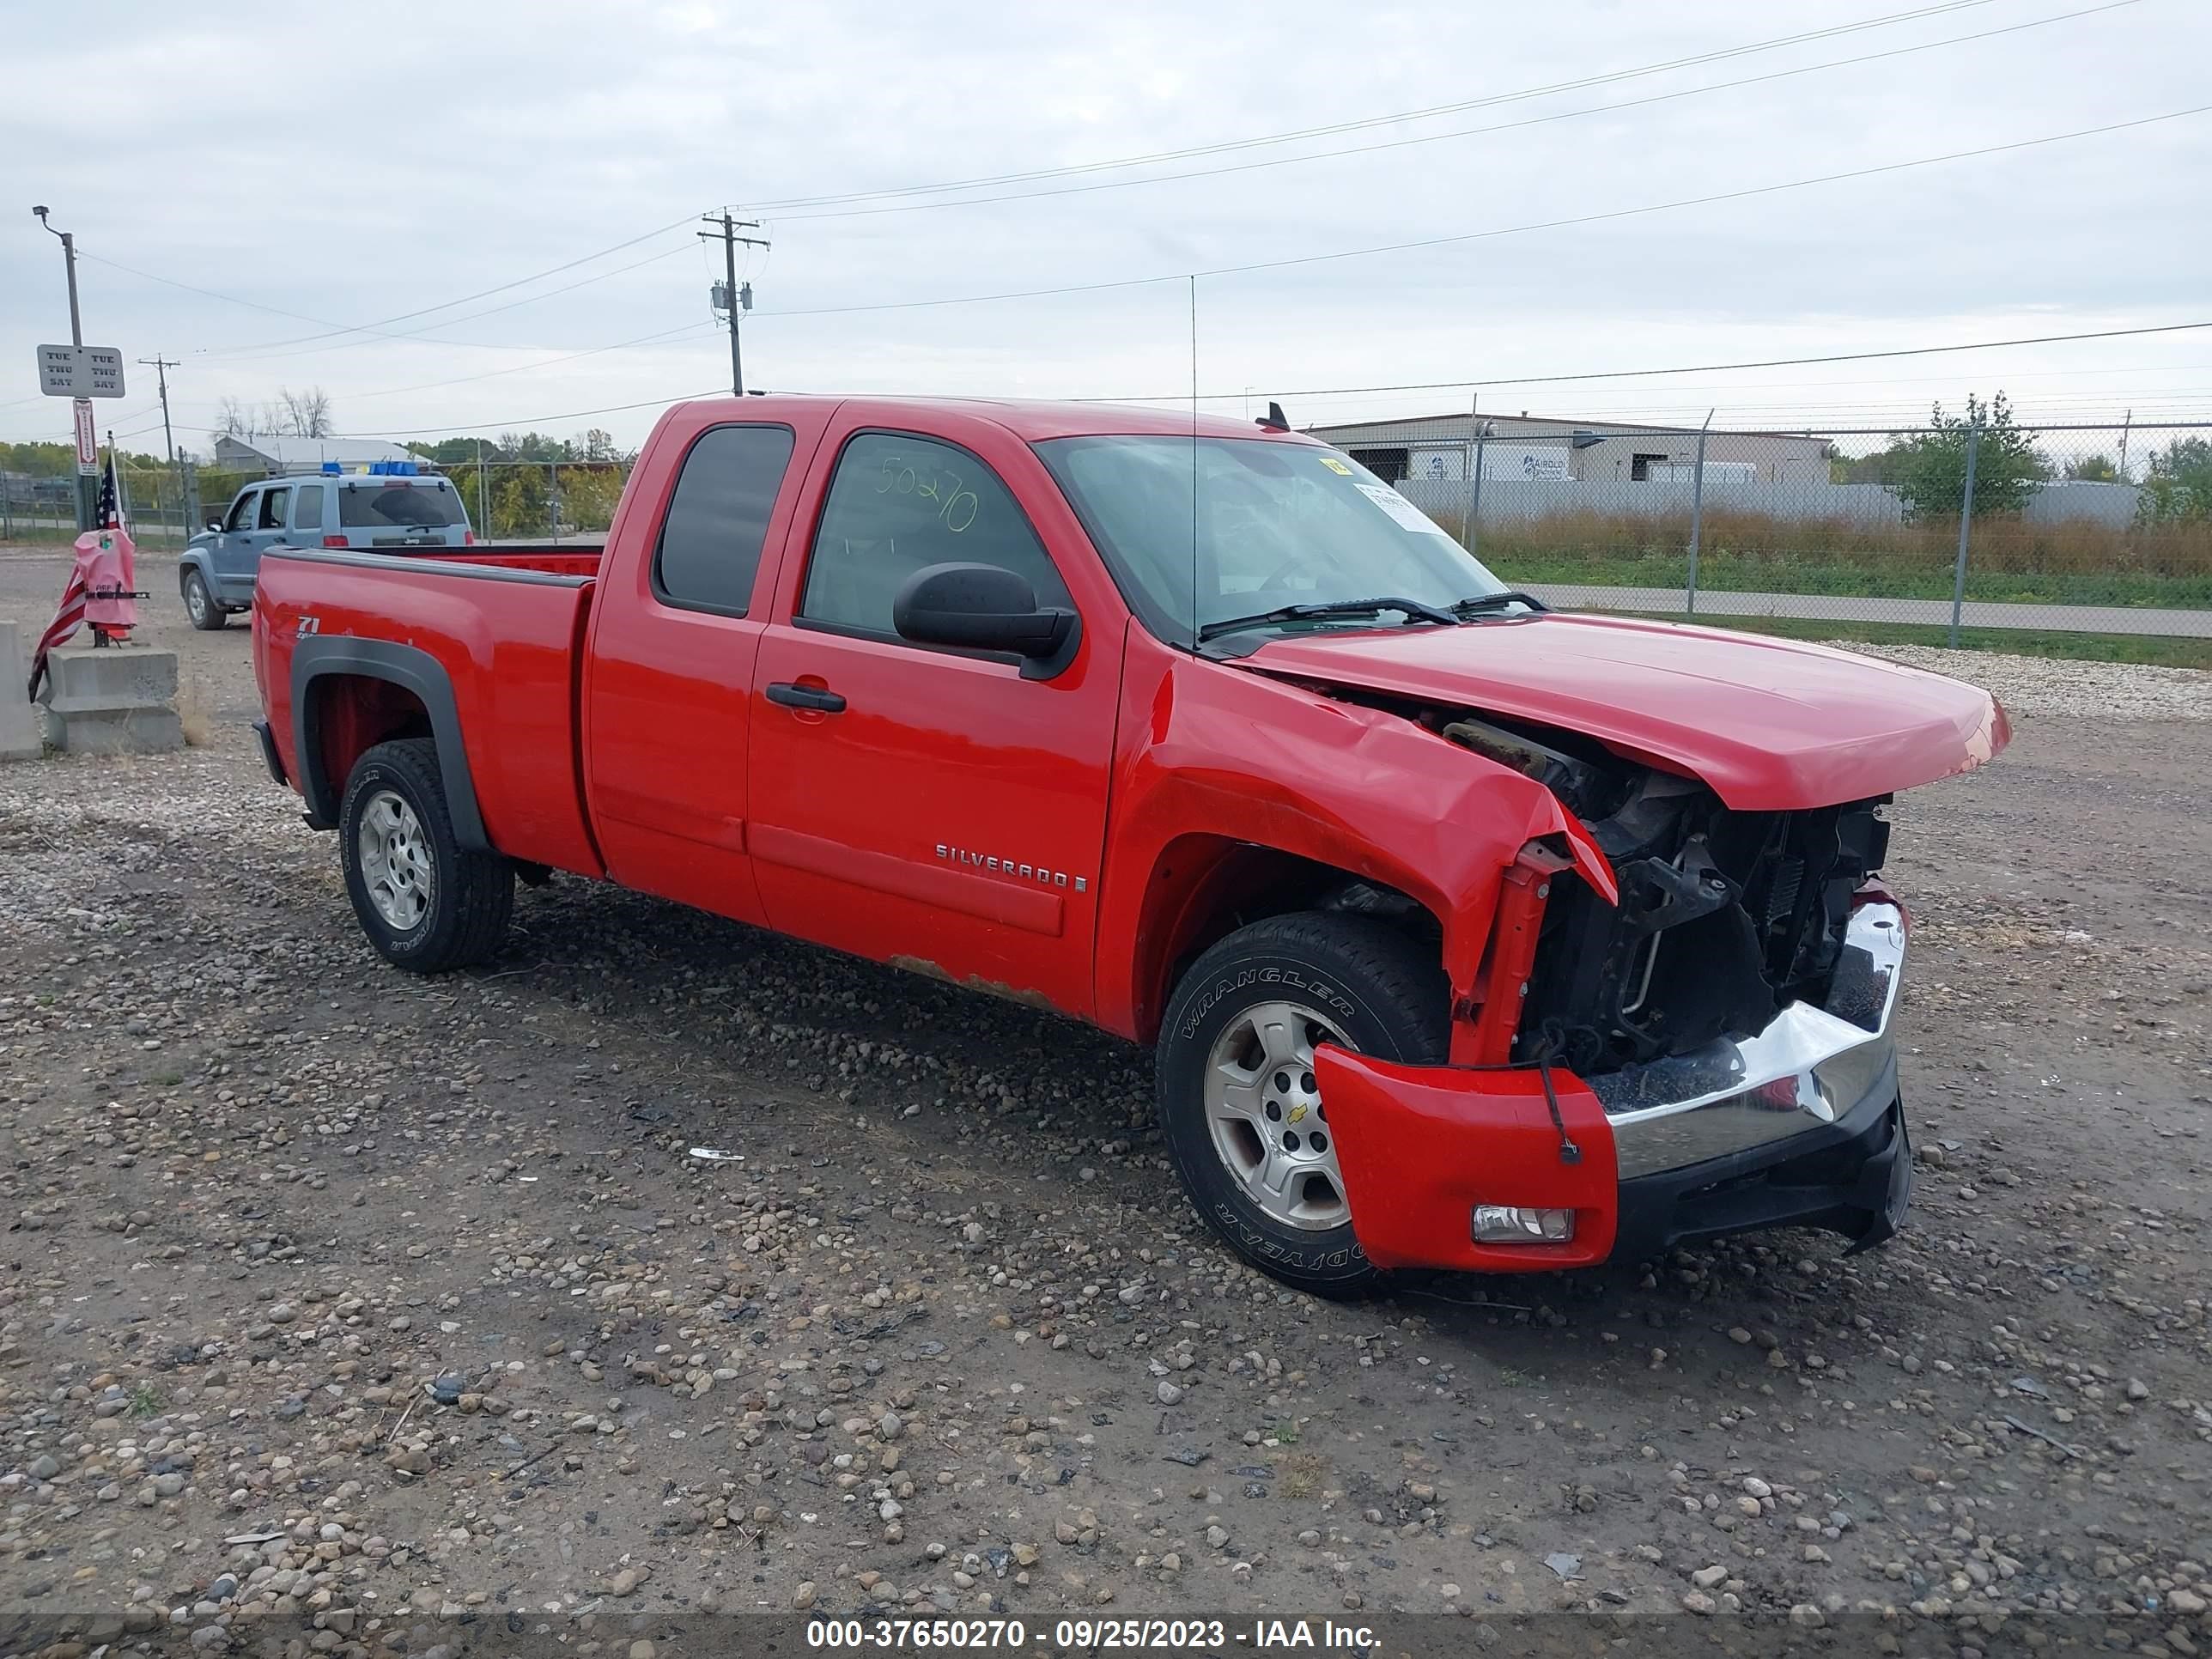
(1467, 933)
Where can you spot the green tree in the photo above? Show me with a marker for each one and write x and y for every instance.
(2179, 489)
(1883, 466)
(1931, 465)
(2093, 469)
(520, 502)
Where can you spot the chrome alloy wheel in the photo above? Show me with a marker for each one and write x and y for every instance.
(1264, 1113)
(396, 866)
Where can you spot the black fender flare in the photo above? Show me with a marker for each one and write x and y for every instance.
(319, 657)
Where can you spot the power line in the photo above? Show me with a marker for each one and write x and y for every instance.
(259, 351)
(1498, 231)
(532, 420)
(1691, 369)
(1720, 196)
(1312, 392)
(691, 327)
(1334, 128)
(427, 335)
(1464, 132)
(502, 288)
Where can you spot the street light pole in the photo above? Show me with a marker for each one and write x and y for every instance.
(85, 490)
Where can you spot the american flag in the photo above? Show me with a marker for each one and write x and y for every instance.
(108, 515)
(70, 617)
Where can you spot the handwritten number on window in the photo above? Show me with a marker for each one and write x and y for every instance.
(956, 507)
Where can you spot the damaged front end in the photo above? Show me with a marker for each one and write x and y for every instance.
(1712, 1048)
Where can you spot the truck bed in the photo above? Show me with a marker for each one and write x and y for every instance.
(551, 558)
(502, 627)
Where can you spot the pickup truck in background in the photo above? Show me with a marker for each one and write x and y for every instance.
(1467, 933)
(216, 572)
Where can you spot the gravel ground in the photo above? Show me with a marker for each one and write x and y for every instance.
(2034, 688)
(372, 1312)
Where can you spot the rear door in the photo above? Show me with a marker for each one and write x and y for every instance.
(922, 805)
(308, 509)
(669, 669)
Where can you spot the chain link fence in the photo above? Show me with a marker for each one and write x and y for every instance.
(160, 505)
(1963, 532)
(1977, 525)
(506, 500)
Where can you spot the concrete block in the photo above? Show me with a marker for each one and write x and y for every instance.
(119, 701)
(19, 720)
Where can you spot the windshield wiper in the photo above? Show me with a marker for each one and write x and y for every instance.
(1413, 609)
(1482, 602)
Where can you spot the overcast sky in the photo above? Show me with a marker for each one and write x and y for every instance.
(308, 179)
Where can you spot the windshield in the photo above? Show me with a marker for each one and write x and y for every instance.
(398, 505)
(1277, 524)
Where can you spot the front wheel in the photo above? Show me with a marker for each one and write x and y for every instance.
(427, 903)
(1245, 1123)
(200, 604)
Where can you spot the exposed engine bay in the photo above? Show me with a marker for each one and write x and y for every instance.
(1724, 917)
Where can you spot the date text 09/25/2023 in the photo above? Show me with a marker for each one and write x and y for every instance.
(1194, 1636)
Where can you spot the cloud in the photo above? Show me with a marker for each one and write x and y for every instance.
(444, 150)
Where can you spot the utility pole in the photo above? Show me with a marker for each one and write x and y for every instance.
(732, 298)
(85, 487)
(161, 365)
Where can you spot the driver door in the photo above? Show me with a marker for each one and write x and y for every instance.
(914, 804)
(235, 558)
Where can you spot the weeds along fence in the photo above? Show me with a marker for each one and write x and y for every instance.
(2081, 529)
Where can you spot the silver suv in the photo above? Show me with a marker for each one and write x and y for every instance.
(382, 510)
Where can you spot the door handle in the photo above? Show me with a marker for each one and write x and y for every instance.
(806, 697)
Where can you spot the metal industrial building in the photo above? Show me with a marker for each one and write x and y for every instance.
(1524, 446)
(275, 456)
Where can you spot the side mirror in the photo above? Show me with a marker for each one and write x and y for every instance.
(214, 524)
(985, 607)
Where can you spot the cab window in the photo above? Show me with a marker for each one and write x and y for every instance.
(710, 542)
(272, 508)
(307, 510)
(899, 503)
(241, 510)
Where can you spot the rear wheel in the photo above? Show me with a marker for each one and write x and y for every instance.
(200, 605)
(426, 904)
(1245, 1123)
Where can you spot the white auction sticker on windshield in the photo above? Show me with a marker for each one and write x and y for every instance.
(1408, 516)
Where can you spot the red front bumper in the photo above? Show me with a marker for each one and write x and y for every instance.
(1419, 1146)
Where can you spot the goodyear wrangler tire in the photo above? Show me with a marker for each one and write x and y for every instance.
(1246, 1127)
(426, 904)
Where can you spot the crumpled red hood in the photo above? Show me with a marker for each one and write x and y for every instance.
(1770, 725)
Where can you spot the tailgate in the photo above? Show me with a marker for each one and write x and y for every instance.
(398, 513)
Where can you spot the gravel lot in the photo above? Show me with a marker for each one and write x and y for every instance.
(374, 1312)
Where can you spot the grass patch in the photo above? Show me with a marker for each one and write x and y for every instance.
(2159, 650)
(2009, 559)
(145, 1400)
(1301, 1474)
(195, 714)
